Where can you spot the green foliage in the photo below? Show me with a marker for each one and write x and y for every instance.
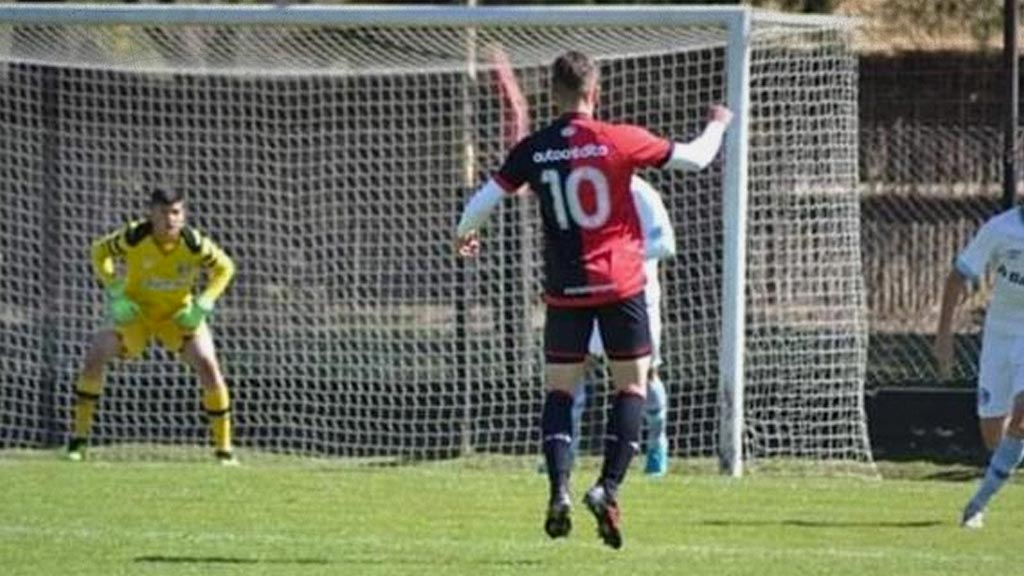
(981, 20)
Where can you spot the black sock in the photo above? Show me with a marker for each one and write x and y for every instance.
(556, 435)
(622, 439)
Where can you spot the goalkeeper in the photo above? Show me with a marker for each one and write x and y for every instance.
(161, 261)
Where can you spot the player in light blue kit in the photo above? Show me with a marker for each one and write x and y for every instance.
(659, 244)
(999, 247)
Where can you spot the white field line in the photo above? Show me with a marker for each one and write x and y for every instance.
(760, 553)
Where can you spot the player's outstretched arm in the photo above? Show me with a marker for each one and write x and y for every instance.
(516, 119)
(952, 293)
(699, 152)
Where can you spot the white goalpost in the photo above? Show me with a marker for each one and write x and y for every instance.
(329, 150)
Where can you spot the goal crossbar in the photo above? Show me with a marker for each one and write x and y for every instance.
(398, 15)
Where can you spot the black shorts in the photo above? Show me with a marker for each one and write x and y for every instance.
(625, 331)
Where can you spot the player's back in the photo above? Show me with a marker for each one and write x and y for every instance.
(580, 170)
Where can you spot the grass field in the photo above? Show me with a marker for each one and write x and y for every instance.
(471, 518)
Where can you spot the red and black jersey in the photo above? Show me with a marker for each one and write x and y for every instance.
(580, 168)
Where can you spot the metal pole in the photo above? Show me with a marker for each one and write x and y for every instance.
(469, 181)
(732, 361)
(1011, 74)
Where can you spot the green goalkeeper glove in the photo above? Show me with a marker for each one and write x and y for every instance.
(192, 315)
(121, 308)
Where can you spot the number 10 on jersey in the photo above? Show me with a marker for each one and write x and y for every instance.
(566, 199)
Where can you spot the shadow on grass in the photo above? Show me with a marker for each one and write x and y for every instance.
(227, 560)
(963, 475)
(158, 559)
(930, 470)
(444, 562)
(827, 523)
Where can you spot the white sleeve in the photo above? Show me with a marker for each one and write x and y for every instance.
(480, 207)
(972, 262)
(659, 238)
(698, 153)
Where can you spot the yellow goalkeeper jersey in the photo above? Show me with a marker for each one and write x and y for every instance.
(161, 279)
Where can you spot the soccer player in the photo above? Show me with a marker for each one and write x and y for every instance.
(659, 244)
(998, 245)
(161, 260)
(580, 169)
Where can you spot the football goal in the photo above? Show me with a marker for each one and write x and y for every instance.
(329, 150)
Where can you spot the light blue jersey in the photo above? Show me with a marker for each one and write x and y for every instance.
(999, 246)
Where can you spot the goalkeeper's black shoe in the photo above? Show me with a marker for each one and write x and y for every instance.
(606, 512)
(558, 524)
(226, 458)
(76, 449)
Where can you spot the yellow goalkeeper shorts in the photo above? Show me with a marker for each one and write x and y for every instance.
(137, 334)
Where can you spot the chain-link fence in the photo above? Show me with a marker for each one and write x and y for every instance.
(931, 173)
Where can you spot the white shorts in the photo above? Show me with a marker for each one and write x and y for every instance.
(596, 346)
(1000, 373)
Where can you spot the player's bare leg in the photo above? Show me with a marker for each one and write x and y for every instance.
(105, 346)
(1005, 459)
(556, 430)
(200, 353)
(622, 442)
(992, 430)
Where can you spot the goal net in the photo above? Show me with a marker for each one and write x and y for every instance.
(330, 151)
